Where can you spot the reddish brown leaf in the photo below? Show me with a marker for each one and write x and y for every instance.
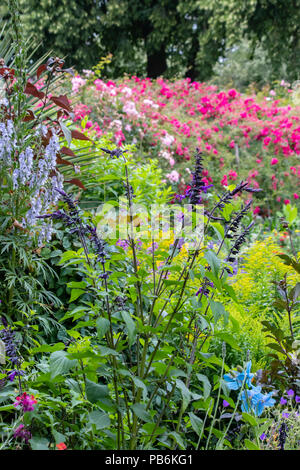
(6, 72)
(78, 135)
(62, 101)
(60, 113)
(77, 182)
(40, 70)
(67, 151)
(29, 116)
(30, 89)
(46, 138)
(62, 161)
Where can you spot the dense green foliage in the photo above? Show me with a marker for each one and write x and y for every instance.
(182, 37)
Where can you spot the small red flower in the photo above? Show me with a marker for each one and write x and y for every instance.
(61, 446)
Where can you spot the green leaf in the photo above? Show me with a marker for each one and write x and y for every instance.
(76, 313)
(231, 292)
(173, 372)
(131, 328)
(219, 229)
(227, 210)
(213, 261)
(140, 384)
(173, 283)
(290, 262)
(249, 419)
(95, 392)
(295, 292)
(77, 285)
(58, 437)
(67, 255)
(206, 385)
(67, 133)
(102, 325)
(229, 339)
(75, 293)
(274, 346)
(235, 324)
(7, 407)
(196, 423)
(60, 364)
(48, 348)
(218, 311)
(290, 213)
(250, 445)
(39, 443)
(104, 351)
(177, 438)
(141, 412)
(100, 419)
(186, 394)
(152, 428)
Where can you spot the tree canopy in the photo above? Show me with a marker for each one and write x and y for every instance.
(165, 37)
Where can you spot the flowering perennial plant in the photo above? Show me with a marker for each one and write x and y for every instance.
(32, 162)
(25, 402)
(252, 398)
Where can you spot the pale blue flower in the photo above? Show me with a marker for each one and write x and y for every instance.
(234, 382)
(254, 400)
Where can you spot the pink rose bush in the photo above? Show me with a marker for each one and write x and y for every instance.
(241, 137)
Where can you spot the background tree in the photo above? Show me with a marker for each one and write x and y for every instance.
(272, 24)
(66, 27)
(166, 37)
(240, 67)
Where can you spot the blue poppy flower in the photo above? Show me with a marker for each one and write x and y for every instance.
(234, 382)
(254, 400)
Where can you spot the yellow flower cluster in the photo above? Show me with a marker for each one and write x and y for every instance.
(262, 266)
(254, 288)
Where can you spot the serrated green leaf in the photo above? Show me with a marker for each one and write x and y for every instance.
(100, 419)
(186, 394)
(95, 392)
(60, 364)
(206, 385)
(177, 438)
(102, 325)
(131, 328)
(196, 423)
(140, 411)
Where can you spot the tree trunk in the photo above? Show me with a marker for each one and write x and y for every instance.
(192, 71)
(156, 62)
